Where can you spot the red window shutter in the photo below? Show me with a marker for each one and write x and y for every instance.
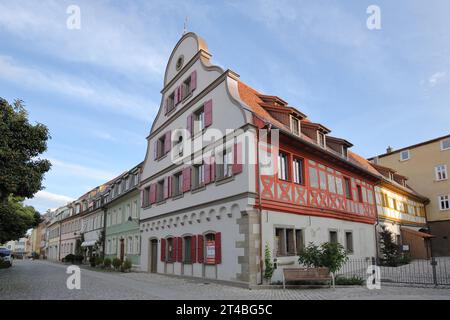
(218, 244)
(166, 187)
(163, 249)
(155, 150)
(180, 249)
(175, 96)
(237, 158)
(213, 168)
(189, 124)
(200, 248)
(193, 80)
(153, 193)
(208, 113)
(193, 249)
(207, 172)
(167, 142)
(186, 179)
(174, 250)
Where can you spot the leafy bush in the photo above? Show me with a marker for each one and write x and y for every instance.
(99, 261)
(116, 263)
(107, 263)
(78, 258)
(126, 266)
(69, 258)
(404, 259)
(353, 281)
(4, 264)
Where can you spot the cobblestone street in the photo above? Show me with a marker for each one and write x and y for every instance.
(46, 280)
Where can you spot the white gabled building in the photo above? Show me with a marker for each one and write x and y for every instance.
(206, 217)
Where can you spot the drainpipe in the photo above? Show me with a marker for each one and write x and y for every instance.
(261, 264)
(104, 232)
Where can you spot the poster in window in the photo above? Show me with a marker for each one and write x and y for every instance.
(210, 252)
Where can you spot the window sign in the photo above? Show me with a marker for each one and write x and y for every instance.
(210, 252)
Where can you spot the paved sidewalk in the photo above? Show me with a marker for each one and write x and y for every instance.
(47, 280)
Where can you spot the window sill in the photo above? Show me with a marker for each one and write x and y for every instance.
(171, 111)
(161, 157)
(224, 180)
(178, 196)
(160, 202)
(185, 99)
(198, 189)
(146, 206)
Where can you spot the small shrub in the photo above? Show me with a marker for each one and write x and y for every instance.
(107, 263)
(116, 263)
(404, 259)
(353, 281)
(78, 259)
(99, 262)
(69, 258)
(126, 266)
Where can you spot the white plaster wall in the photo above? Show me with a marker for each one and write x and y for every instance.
(224, 221)
(188, 48)
(316, 230)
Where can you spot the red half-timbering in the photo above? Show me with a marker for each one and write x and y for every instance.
(322, 199)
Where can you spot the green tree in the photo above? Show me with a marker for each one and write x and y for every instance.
(330, 255)
(21, 143)
(389, 249)
(21, 169)
(16, 219)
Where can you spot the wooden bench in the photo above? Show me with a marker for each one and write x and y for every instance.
(306, 274)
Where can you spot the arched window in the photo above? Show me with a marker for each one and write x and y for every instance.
(212, 248)
(188, 249)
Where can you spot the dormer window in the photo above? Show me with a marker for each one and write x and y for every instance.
(321, 139)
(344, 151)
(295, 126)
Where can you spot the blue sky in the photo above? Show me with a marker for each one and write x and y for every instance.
(98, 88)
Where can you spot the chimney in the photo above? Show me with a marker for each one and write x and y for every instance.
(389, 149)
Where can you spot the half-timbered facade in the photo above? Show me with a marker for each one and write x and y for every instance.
(210, 204)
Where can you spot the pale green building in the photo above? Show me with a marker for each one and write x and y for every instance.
(122, 236)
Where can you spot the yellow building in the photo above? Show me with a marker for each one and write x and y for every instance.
(402, 211)
(426, 165)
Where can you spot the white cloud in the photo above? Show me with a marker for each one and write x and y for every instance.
(110, 36)
(63, 167)
(436, 78)
(44, 200)
(98, 95)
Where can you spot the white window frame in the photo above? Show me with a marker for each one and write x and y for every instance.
(442, 144)
(443, 172)
(442, 200)
(409, 155)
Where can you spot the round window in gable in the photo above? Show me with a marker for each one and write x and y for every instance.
(180, 62)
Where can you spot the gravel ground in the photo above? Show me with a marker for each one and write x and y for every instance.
(46, 280)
